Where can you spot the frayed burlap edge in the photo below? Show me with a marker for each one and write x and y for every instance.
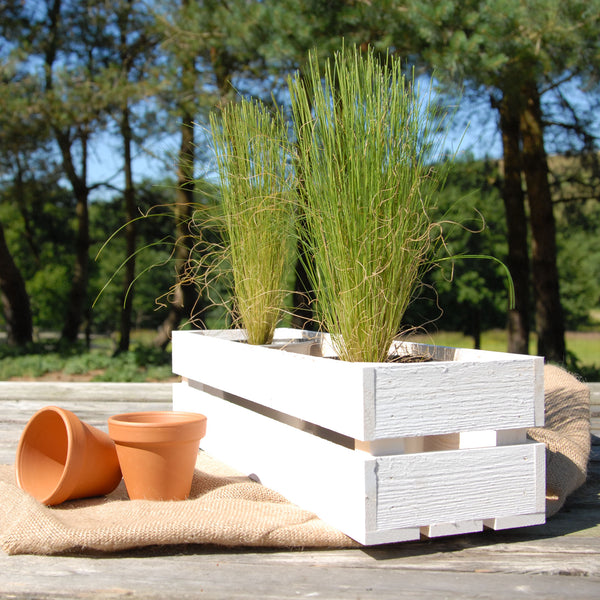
(566, 434)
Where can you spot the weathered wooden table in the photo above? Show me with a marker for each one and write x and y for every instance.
(560, 559)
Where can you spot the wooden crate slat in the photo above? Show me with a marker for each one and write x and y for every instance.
(436, 398)
(287, 382)
(311, 472)
(458, 485)
(458, 528)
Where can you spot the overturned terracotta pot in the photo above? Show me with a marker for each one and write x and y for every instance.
(59, 457)
(157, 451)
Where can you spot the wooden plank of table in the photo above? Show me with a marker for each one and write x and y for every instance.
(414, 570)
(48, 392)
(560, 559)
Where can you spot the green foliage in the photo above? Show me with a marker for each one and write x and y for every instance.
(466, 295)
(48, 290)
(470, 296)
(153, 261)
(578, 231)
(41, 243)
(370, 162)
(498, 44)
(143, 363)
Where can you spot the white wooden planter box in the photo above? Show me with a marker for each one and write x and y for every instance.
(385, 452)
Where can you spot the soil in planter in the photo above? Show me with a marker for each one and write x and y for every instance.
(409, 358)
(394, 358)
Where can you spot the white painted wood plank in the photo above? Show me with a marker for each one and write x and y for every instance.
(508, 437)
(287, 382)
(444, 529)
(370, 402)
(388, 446)
(478, 439)
(515, 521)
(436, 398)
(374, 537)
(459, 485)
(315, 474)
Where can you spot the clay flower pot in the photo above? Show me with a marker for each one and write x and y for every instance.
(157, 451)
(62, 458)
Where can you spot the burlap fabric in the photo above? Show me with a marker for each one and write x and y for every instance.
(227, 509)
(224, 509)
(566, 433)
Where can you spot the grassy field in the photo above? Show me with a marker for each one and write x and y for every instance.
(586, 345)
(48, 361)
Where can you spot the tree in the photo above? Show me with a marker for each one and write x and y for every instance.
(80, 57)
(154, 235)
(219, 50)
(517, 233)
(135, 44)
(15, 301)
(50, 42)
(516, 52)
(183, 51)
(62, 40)
(466, 294)
(214, 51)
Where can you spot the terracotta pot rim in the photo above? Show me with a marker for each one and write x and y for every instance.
(73, 461)
(155, 419)
(156, 426)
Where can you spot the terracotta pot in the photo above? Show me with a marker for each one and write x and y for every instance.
(157, 451)
(62, 458)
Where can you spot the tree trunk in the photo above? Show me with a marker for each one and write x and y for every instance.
(474, 328)
(516, 223)
(26, 213)
(130, 237)
(185, 303)
(548, 311)
(76, 304)
(15, 301)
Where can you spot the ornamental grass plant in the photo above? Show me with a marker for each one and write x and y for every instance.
(257, 212)
(370, 161)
